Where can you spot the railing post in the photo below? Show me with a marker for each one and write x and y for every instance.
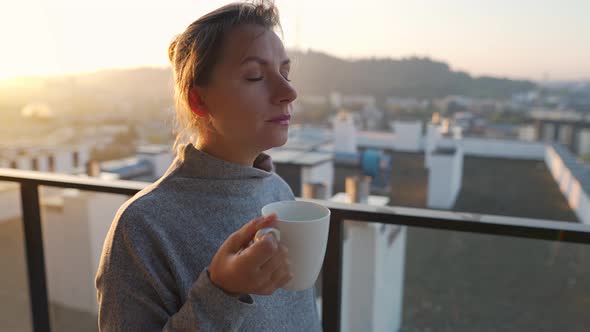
(35, 257)
(332, 275)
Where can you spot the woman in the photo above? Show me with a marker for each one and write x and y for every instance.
(177, 256)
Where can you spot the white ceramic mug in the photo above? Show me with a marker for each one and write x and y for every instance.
(303, 228)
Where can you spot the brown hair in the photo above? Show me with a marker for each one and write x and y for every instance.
(194, 52)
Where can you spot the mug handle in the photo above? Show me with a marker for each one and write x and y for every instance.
(260, 233)
(263, 231)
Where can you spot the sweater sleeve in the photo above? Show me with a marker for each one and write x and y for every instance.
(136, 290)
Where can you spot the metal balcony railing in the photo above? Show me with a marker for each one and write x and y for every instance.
(332, 276)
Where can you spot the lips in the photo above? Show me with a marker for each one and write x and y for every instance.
(281, 119)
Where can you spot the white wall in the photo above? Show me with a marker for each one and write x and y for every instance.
(457, 132)
(335, 99)
(24, 163)
(10, 201)
(42, 163)
(377, 140)
(320, 173)
(578, 199)
(63, 161)
(389, 278)
(565, 134)
(457, 176)
(583, 208)
(161, 161)
(83, 155)
(65, 237)
(548, 132)
(553, 162)
(480, 147)
(497, 148)
(444, 179)
(584, 142)
(433, 136)
(372, 277)
(408, 135)
(358, 263)
(344, 133)
(73, 235)
(527, 133)
(565, 181)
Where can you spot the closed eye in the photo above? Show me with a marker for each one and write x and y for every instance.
(256, 79)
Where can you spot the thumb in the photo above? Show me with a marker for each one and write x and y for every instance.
(244, 235)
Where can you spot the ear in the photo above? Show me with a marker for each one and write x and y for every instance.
(196, 103)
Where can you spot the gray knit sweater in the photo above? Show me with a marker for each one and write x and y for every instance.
(152, 273)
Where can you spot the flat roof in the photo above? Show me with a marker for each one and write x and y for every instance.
(298, 157)
(154, 149)
(497, 186)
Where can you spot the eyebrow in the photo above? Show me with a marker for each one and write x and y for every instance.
(262, 61)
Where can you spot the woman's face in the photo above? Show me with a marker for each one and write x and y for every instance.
(248, 87)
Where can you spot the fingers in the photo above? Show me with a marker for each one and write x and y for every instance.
(242, 236)
(262, 266)
(280, 274)
(268, 221)
(276, 272)
(278, 279)
(260, 252)
(280, 258)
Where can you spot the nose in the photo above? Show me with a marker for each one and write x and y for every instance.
(284, 92)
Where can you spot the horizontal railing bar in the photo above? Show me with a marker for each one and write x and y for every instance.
(464, 222)
(331, 304)
(394, 215)
(122, 187)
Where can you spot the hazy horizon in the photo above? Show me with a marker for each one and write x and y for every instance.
(533, 40)
(167, 66)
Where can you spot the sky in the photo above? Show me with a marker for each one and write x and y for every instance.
(530, 39)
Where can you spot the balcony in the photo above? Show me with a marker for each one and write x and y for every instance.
(487, 272)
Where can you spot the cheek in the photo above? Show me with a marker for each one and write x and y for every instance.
(241, 110)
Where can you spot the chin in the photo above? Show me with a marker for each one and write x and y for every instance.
(276, 140)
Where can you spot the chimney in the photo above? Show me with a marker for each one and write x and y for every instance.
(314, 190)
(408, 135)
(358, 189)
(92, 168)
(433, 135)
(435, 118)
(457, 132)
(584, 142)
(344, 133)
(24, 163)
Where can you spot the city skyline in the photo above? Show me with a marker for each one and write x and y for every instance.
(525, 40)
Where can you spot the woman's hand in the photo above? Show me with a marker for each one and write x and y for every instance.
(260, 268)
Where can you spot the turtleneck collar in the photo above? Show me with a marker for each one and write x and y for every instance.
(199, 164)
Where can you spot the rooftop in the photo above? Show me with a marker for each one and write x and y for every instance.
(304, 158)
(519, 188)
(153, 149)
(452, 280)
